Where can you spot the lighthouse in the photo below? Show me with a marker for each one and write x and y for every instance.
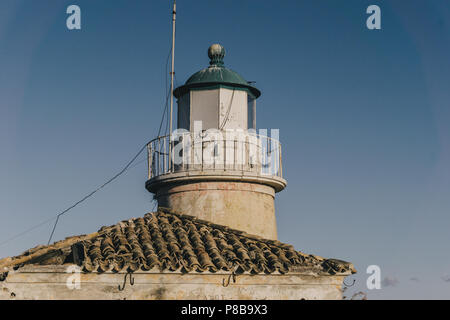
(214, 234)
(215, 165)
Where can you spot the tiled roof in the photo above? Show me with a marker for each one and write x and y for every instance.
(168, 241)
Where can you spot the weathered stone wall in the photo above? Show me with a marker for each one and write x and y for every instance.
(239, 205)
(50, 282)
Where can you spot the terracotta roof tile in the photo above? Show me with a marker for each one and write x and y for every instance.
(169, 242)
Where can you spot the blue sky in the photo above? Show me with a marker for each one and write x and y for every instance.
(363, 116)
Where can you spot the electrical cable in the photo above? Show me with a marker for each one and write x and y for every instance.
(93, 192)
(128, 166)
(225, 120)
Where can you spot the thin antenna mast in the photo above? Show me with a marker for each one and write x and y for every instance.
(172, 73)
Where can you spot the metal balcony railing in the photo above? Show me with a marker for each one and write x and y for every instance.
(243, 152)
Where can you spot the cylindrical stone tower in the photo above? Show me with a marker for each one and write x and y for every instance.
(215, 166)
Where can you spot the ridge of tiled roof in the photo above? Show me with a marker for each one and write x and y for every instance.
(171, 241)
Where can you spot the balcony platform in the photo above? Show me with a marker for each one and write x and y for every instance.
(231, 182)
(190, 176)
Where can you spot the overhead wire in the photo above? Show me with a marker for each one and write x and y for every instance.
(227, 114)
(93, 192)
(124, 169)
(127, 167)
(166, 104)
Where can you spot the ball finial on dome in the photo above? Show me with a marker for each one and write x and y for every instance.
(216, 52)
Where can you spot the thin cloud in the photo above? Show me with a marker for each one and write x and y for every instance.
(389, 282)
(414, 279)
(446, 278)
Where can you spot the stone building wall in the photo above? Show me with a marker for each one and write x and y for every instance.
(50, 282)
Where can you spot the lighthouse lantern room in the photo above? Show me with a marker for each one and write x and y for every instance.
(215, 166)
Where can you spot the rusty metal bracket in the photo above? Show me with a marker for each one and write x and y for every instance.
(3, 275)
(351, 285)
(125, 281)
(232, 275)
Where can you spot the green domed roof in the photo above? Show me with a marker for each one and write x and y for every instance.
(216, 75)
